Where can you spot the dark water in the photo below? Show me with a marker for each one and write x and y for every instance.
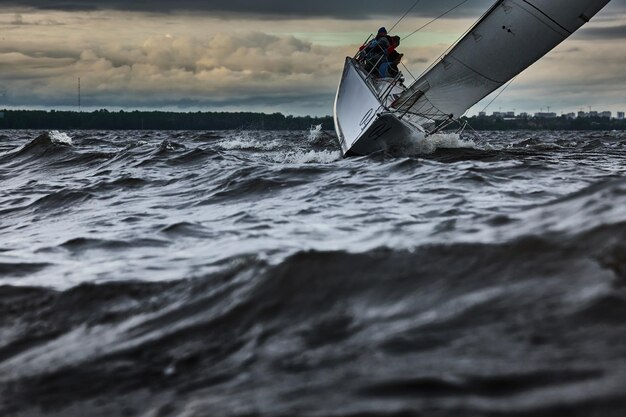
(259, 274)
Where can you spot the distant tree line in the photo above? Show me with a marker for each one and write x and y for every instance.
(536, 123)
(156, 120)
(160, 120)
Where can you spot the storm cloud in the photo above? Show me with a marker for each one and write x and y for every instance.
(265, 55)
(345, 9)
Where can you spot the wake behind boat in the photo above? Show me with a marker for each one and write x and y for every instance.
(374, 113)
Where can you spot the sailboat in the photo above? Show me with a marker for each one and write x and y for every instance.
(373, 114)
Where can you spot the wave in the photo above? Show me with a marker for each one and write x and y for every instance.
(595, 206)
(242, 187)
(45, 145)
(53, 149)
(60, 137)
(173, 153)
(252, 182)
(168, 145)
(251, 141)
(496, 287)
(60, 201)
(208, 136)
(81, 244)
(422, 144)
(20, 269)
(309, 157)
(196, 156)
(396, 329)
(186, 229)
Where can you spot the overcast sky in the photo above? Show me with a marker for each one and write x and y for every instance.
(274, 55)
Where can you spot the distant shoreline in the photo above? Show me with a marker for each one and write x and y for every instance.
(562, 123)
(156, 120)
(162, 120)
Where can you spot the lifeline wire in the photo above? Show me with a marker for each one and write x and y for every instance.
(435, 19)
(405, 15)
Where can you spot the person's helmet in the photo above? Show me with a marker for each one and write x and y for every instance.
(382, 30)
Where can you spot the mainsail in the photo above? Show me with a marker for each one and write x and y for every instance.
(510, 37)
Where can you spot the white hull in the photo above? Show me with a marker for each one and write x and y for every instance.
(362, 120)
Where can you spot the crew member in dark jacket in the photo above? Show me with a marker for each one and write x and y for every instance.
(389, 69)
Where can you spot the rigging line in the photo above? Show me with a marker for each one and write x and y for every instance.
(432, 106)
(477, 135)
(407, 70)
(405, 15)
(500, 93)
(435, 19)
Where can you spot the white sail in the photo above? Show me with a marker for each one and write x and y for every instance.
(509, 38)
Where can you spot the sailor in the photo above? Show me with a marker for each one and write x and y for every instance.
(382, 32)
(376, 50)
(394, 43)
(389, 69)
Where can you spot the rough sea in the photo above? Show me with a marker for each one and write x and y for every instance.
(246, 273)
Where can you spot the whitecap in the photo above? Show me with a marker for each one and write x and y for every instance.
(315, 132)
(422, 144)
(245, 141)
(320, 157)
(60, 137)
